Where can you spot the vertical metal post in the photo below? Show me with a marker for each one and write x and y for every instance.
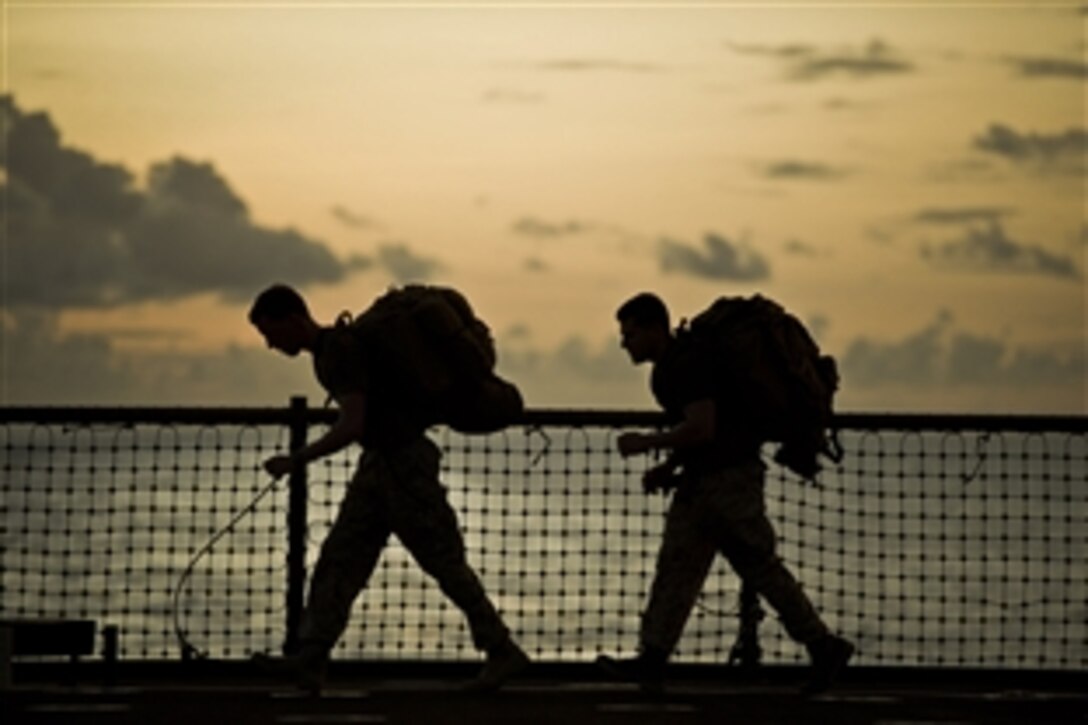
(110, 649)
(746, 650)
(296, 528)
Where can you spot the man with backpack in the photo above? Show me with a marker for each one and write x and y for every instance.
(395, 489)
(715, 466)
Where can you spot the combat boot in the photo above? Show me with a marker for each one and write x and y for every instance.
(830, 655)
(503, 662)
(305, 669)
(647, 670)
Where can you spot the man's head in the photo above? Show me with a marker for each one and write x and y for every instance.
(282, 317)
(644, 327)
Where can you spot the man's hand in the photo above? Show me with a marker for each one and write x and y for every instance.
(633, 443)
(279, 466)
(659, 478)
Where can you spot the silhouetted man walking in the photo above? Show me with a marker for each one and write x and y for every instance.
(395, 490)
(718, 505)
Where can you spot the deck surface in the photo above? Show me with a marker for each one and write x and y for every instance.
(243, 700)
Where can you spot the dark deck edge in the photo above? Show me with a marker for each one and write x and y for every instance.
(177, 672)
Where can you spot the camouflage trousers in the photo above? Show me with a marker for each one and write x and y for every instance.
(395, 492)
(721, 512)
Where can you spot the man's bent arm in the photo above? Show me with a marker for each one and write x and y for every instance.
(696, 428)
(347, 429)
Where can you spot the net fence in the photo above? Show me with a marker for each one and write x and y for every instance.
(938, 541)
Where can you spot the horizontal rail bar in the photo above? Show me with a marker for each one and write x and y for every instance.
(533, 417)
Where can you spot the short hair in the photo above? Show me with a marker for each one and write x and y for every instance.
(645, 310)
(278, 302)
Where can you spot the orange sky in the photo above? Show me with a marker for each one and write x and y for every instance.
(908, 178)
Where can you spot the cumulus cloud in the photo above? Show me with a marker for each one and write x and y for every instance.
(575, 373)
(716, 258)
(405, 265)
(1045, 67)
(961, 215)
(807, 63)
(80, 233)
(913, 359)
(536, 265)
(804, 170)
(181, 183)
(989, 249)
(540, 229)
(351, 219)
(839, 103)
(943, 356)
(935, 367)
(1063, 152)
(43, 365)
(800, 248)
(789, 50)
(965, 169)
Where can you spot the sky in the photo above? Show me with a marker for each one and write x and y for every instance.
(907, 178)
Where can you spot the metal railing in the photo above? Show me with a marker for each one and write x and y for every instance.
(947, 541)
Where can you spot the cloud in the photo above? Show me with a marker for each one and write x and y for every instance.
(43, 365)
(799, 248)
(536, 265)
(876, 59)
(63, 182)
(941, 356)
(839, 103)
(405, 265)
(352, 220)
(189, 184)
(960, 215)
(1063, 152)
(177, 252)
(81, 235)
(913, 359)
(1043, 67)
(575, 373)
(974, 358)
(808, 170)
(718, 258)
(933, 369)
(533, 227)
(961, 170)
(792, 50)
(807, 63)
(989, 249)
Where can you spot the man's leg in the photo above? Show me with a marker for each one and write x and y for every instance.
(348, 557)
(683, 561)
(749, 544)
(427, 526)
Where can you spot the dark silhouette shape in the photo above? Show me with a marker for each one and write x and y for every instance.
(715, 467)
(395, 490)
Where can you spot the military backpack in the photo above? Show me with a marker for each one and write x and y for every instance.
(441, 355)
(780, 380)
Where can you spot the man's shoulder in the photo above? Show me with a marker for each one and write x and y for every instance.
(339, 341)
(339, 359)
(684, 357)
